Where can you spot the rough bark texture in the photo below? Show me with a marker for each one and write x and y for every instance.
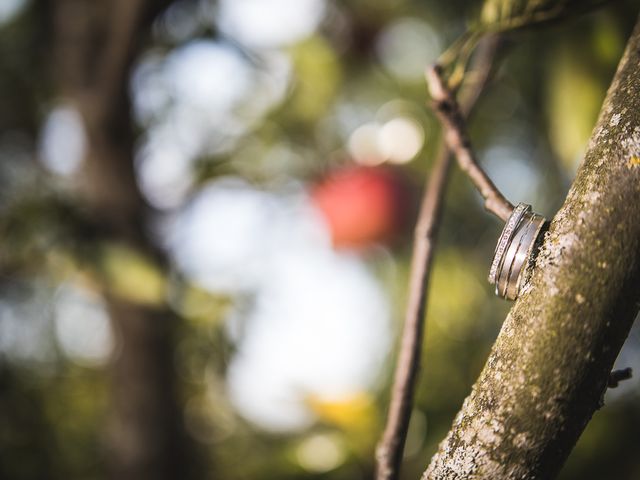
(548, 369)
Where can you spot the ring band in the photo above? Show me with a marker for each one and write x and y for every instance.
(523, 256)
(512, 262)
(506, 235)
(513, 251)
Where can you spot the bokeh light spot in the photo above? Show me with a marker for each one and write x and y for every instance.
(406, 46)
(270, 23)
(9, 9)
(82, 326)
(401, 139)
(364, 145)
(321, 452)
(63, 142)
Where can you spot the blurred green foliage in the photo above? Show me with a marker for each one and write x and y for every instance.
(540, 108)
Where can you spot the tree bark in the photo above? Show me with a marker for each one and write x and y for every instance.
(549, 367)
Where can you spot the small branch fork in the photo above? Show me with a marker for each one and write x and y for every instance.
(618, 376)
(457, 139)
(390, 448)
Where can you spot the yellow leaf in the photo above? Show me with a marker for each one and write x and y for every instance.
(351, 412)
(132, 276)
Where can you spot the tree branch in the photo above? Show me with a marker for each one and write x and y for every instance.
(125, 29)
(551, 362)
(391, 446)
(455, 134)
(95, 44)
(618, 376)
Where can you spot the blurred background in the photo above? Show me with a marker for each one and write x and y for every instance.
(205, 221)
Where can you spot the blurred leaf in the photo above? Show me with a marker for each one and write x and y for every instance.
(131, 276)
(202, 307)
(503, 15)
(456, 294)
(317, 76)
(608, 40)
(354, 413)
(76, 403)
(499, 16)
(574, 98)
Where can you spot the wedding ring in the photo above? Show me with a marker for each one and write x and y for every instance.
(514, 250)
(505, 237)
(509, 264)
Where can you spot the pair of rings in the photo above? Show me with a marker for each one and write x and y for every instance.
(513, 251)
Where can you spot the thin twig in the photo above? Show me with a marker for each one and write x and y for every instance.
(390, 448)
(455, 134)
(618, 376)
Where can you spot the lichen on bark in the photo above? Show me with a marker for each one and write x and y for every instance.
(548, 369)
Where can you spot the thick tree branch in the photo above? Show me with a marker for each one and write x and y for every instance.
(95, 44)
(455, 134)
(551, 362)
(125, 29)
(391, 445)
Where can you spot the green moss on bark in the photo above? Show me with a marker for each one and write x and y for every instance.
(549, 367)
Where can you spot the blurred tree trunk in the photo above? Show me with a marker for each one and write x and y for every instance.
(549, 367)
(95, 42)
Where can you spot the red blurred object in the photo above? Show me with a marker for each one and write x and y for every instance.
(364, 205)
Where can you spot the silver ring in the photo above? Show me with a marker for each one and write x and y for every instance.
(520, 258)
(505, 237)
(512, 262)
(514, 250)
